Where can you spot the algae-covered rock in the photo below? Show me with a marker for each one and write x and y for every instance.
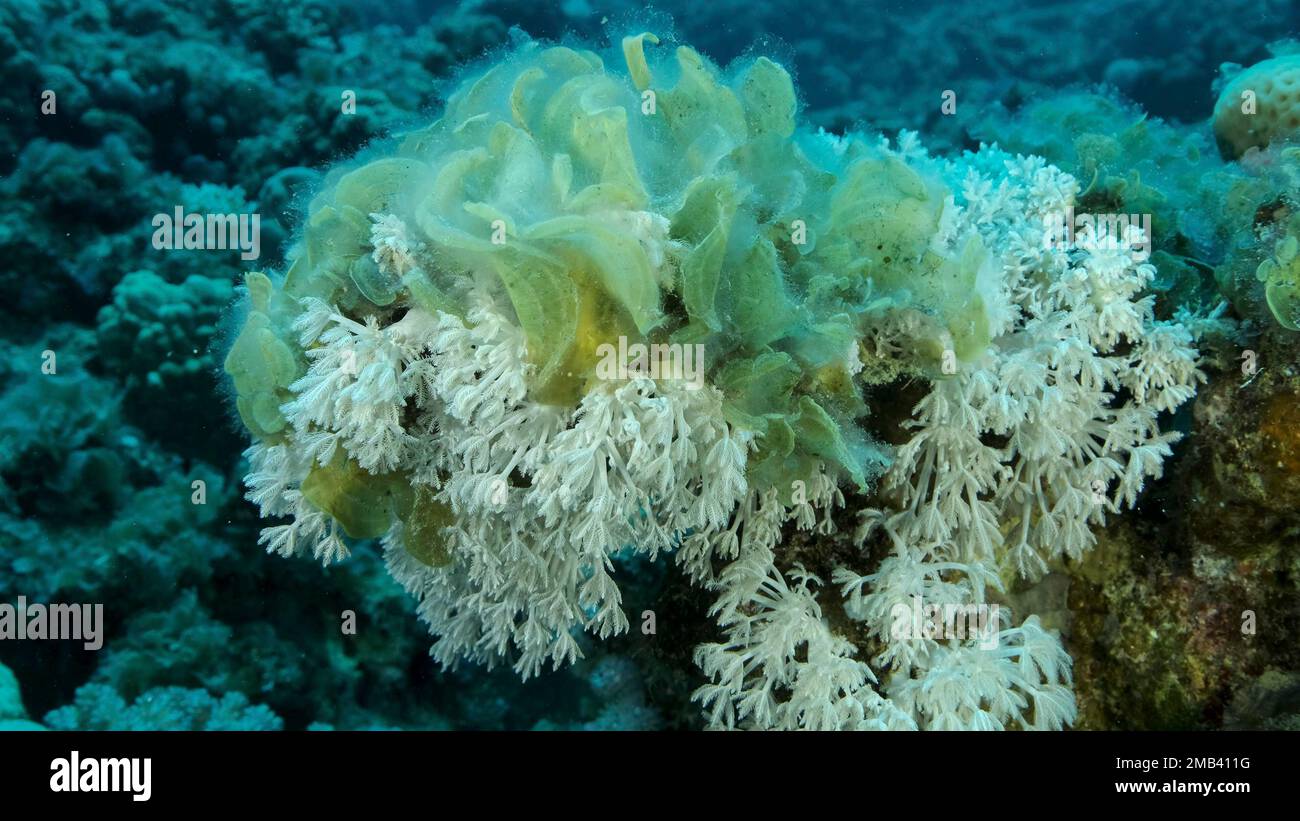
(1271, 702)
(1246, 446)
(1194, 596)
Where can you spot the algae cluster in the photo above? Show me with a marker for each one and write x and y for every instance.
(662, 200)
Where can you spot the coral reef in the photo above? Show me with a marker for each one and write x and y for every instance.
(430, 374)
(908, 388)
(167, 708)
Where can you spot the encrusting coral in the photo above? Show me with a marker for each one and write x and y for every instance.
(1258, 105)
(433, 370)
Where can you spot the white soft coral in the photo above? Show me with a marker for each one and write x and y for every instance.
(1024, 681)
(1057, 421)
(275, 474)
(356, 386)
(1010, 460)
(1016, 455)
(546, 497)
(394, 251)
(780, 666)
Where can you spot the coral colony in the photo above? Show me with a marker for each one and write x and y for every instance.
(627, 305)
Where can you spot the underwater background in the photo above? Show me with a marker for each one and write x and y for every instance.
(232, 107)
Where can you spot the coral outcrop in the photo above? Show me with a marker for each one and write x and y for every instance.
(1258, 106)
(434, 369)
